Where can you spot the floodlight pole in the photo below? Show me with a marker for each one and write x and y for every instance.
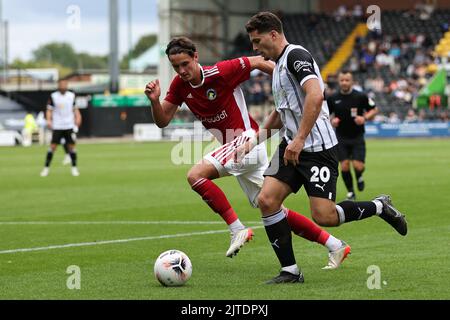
(114, 68)
(130, 39)
(2, 43)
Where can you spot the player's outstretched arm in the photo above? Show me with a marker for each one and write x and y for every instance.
(163, 112)
(258, 62)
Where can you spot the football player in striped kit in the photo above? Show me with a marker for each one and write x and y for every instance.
(62, 117)
(307, 154)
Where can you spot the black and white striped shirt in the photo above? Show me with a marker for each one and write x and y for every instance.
(63, 106)
(293, 68)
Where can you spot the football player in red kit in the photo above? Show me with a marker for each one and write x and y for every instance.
(213, 95)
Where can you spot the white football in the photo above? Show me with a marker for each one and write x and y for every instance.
(173, 268)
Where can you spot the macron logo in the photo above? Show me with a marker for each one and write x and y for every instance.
(301, 64)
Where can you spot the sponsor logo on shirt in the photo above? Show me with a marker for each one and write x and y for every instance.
(218, 117)
(211, 94)
(302, 64)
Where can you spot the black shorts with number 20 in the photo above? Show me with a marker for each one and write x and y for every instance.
(68, 135)
(317, 171)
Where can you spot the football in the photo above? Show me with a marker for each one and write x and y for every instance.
(173, 268)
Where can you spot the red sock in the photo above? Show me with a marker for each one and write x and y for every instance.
(305, 228)
(216, 199)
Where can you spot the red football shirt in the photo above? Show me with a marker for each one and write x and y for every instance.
(218, 101)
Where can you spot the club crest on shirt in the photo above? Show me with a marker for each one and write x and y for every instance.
(211, 94)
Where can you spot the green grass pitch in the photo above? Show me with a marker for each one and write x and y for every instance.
(124, 188)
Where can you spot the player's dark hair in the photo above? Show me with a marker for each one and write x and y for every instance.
(264, 22)
(345, 71)
(181, 45)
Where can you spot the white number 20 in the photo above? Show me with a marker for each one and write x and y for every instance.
(322, 174)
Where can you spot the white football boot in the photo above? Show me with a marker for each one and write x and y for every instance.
(75, 172)
(238, 239)
(45, 172)
(335, 258)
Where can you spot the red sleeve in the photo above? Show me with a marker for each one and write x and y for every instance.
(174, 93)
(235, 71)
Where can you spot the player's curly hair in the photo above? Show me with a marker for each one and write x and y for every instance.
(264, 22)
(181, 45)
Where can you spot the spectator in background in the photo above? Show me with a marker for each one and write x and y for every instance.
(354, 65)
(395, 51)
(42, 124)
(340, 13)
(422, 116)
(379, 118)
(257, 93)
(443, 116)
(29, 128)
(411, 116)
(357, 86)
(393, 118)
(357, 11)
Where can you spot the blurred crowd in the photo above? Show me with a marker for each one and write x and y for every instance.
(391, 69)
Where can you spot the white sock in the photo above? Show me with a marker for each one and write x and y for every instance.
(291, 269)
(341, 214)
(333, 243)
(236, 226)
(379, 206)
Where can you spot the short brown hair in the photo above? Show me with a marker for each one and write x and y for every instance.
(264, 22)
(346, 71)
(181, 45)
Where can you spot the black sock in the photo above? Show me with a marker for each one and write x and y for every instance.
(348, 180)
(358, 174)
(279, 233)
(73, 156)
(49, 158)
(350, 210)
(66, 148)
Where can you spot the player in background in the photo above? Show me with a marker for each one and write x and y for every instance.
(307, 154)
(213, 95)
(62, 117)
(351, 109)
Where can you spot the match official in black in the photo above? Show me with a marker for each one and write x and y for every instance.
(350, 110)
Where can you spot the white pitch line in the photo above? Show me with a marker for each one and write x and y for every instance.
(86, 244)
(7, 223)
